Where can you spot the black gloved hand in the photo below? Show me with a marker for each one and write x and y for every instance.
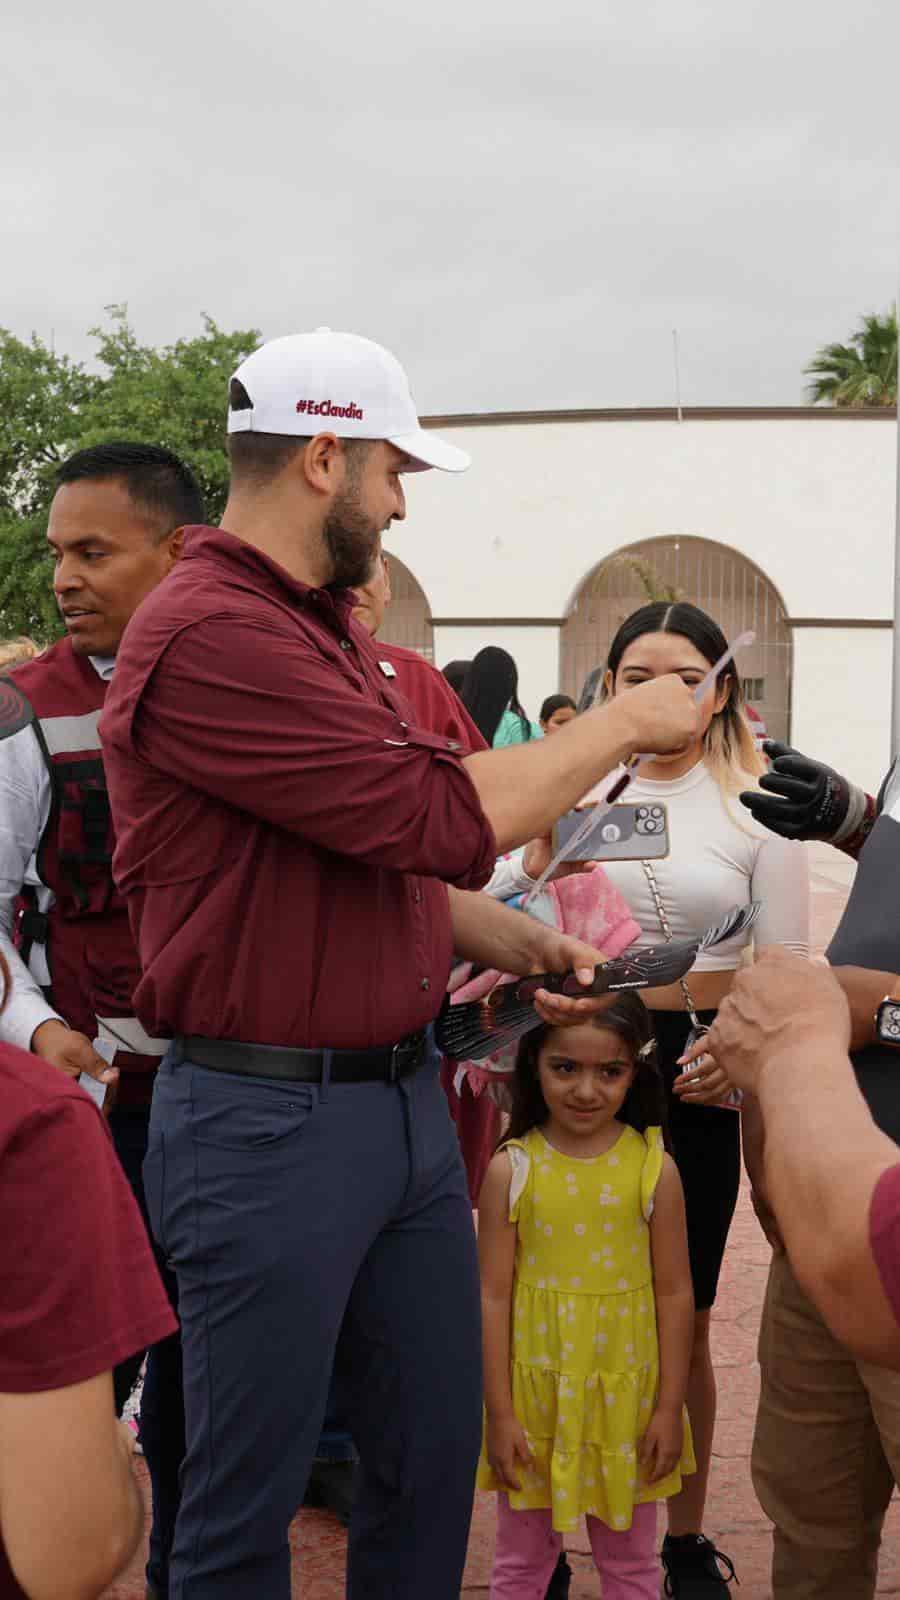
(810, 800)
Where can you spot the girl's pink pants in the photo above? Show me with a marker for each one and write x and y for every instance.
(527, 1551)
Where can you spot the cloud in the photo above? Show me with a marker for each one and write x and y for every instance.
(523, 200)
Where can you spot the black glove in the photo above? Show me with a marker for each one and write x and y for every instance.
(813, 802)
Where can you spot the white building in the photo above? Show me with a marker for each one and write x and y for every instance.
(777, 520)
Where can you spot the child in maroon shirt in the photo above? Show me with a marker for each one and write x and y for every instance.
(79, 1289)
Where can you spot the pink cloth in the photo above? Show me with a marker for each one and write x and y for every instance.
(585, 905)
(527, 1551)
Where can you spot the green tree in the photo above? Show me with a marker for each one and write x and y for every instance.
(862, 372)
(42, 399)
(176, 396)
(49, 406)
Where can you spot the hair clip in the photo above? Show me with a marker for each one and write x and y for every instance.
(646, 1050)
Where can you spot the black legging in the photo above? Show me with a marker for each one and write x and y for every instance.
(706, 1144)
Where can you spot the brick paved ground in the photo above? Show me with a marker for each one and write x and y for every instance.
(735, 1519)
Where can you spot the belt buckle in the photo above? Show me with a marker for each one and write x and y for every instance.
(394, 1072)
(402, 1053)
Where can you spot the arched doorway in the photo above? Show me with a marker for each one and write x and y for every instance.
(719, 579)
(407, 620)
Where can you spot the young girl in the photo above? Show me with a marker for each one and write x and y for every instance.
(587, 1306)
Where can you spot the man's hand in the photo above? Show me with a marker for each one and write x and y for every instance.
(782, 1002)
(559, 952)
(507, 1449)
(71, 1052)
(804, 799)
(662, 714)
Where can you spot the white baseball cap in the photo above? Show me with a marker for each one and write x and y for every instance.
(309, 383)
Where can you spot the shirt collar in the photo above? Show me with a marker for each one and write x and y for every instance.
(267, 575)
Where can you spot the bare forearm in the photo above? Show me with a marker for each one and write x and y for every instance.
(490, 933)
(823, 1158)
(495, 1342)
(73, 1535)
(675, 1329)
(525, 789)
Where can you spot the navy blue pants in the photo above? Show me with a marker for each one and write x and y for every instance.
(162, 1401)
(292, 1213)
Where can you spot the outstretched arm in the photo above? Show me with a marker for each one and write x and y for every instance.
(782, 1034)
(524, 789)
(660, 1447)
(507, 1447)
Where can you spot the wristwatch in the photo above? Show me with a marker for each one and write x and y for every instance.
(887, 1019)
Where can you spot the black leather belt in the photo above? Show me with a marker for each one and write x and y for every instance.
(390, 1062)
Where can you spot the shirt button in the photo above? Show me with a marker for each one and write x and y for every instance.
(346, 644)
(417, 894)
(425, 983)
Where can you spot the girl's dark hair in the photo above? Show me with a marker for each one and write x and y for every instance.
(669, 617)
(455, 673)
(729, 747)
(644, 1105)
(491, 686)
(554, 703)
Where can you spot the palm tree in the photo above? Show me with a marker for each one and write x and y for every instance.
(861, 373)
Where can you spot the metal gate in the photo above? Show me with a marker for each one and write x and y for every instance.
(725, 584)
(407, 620)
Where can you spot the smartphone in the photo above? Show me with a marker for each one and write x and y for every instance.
(624, 833)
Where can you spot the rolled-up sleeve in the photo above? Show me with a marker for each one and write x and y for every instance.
(242, 712)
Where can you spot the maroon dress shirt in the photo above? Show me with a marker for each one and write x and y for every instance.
(285, 826)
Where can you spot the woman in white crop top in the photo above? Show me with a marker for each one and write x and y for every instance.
(719, 857)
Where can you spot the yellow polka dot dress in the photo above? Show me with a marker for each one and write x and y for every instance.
(585, 1356)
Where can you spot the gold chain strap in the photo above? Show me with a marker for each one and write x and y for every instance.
(668, 935)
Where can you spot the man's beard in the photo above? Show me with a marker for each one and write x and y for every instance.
(352, 540)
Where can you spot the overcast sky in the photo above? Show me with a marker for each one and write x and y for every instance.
(521, 200)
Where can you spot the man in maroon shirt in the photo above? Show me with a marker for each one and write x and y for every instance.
(79, 1293)
(286, 834)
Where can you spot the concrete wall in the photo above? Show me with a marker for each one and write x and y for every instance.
(842, 699)
(809, 500)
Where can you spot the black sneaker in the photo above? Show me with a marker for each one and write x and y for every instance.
(694, 1569)
(558, 1588)
(332, 1487)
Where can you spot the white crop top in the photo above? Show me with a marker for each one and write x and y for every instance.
(719, 857)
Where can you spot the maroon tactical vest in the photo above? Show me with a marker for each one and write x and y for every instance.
(91, 955)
